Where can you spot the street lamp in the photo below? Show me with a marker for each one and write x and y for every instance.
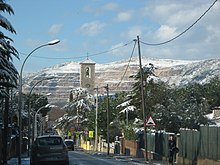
(33, 123)
(29, 110)
(107, 90)
(20, 95)
(35, 118)
(96, 121)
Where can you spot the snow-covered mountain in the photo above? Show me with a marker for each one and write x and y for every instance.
(116, 74)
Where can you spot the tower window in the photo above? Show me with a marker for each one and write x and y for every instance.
(87, 72)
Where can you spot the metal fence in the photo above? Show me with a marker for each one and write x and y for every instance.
(200, 144)
(192, 144)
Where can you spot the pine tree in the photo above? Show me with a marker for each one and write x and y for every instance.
(8, 73)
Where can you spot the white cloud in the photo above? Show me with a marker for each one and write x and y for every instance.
(97, 11)
(54, 29)
(132, 33)
(170, 18)
(92, 28)
(124, 16)
(110, 7)
(165, 33)
(175, 13)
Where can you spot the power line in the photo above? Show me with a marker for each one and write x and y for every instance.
(127, 65)
(165, 42)
(84, 56)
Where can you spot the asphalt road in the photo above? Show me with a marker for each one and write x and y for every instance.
(81, 158)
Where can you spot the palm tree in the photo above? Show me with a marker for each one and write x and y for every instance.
(8, 73)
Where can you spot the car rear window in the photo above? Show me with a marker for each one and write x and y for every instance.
(69, 142)
(50, 141)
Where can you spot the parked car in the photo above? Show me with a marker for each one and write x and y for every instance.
(49, 149)
(70, 144)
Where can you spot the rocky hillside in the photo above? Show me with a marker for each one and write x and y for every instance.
(66, 76)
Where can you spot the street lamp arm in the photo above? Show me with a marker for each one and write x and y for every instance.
(48, 78)
(35, 117)
(49, 43)
(29, 56)
(45, 106)
(35, 120)
(40, 109)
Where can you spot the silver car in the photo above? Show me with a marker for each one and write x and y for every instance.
(70, 144)
(49, 149)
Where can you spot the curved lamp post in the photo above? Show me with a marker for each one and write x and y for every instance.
(33, 123)
(35, 118)
(20, 95)
(29, 110)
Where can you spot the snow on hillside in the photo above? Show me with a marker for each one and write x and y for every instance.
(174, 72)
(178, 72)
(74, 67)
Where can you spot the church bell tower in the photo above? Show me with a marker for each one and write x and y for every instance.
(87, 75)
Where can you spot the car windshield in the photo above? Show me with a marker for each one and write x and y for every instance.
(50, 141)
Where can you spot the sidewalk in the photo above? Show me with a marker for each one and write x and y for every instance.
(25, 160)
(141, 161)
(14, 161)
(138, 161)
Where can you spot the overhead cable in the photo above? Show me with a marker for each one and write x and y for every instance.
(85, 56)
(132, 53)
(165, 42)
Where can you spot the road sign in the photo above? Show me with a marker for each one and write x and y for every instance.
(150, 122)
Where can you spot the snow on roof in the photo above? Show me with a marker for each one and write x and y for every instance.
(88, 61)
(210, 116)
(213, 118)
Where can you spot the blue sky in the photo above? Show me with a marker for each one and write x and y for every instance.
(90, 27)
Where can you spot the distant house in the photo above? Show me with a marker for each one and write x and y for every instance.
(53, 115)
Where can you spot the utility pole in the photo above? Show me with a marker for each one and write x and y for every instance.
(96, 121)
(107, 113)
(142, 99)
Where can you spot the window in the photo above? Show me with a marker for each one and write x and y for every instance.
(87, 72)
(50, 141)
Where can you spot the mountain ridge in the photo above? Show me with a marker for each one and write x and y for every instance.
(66, 75)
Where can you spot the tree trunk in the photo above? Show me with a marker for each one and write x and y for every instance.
(5, 132)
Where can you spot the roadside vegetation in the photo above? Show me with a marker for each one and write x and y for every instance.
(171, 107)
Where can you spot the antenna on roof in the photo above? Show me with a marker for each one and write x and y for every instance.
(87, 55)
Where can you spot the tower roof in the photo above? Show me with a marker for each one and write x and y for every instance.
(88, 61)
